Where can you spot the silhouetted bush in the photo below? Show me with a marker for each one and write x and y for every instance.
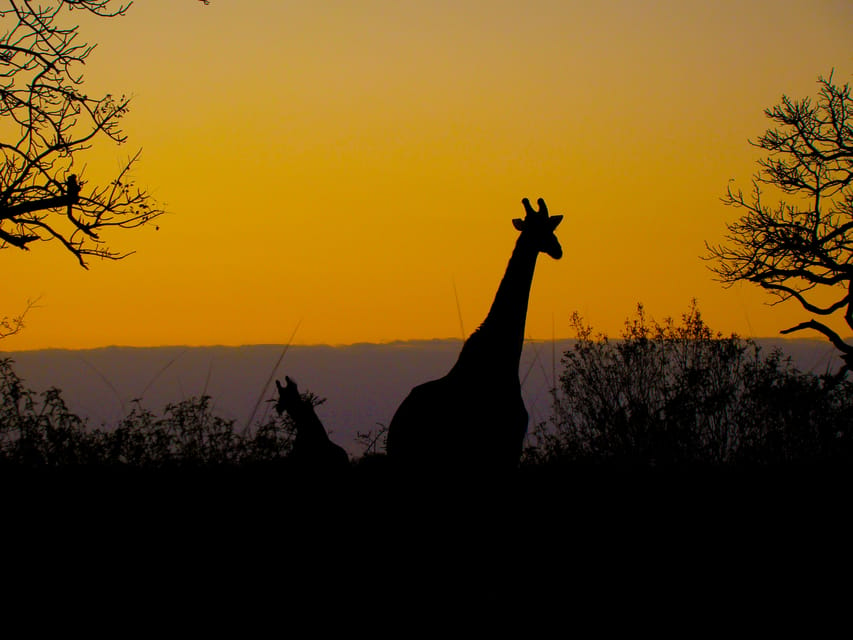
(38, 430)
(669, 394)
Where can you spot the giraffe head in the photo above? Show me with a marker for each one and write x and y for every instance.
(538, 227)
(288, 396)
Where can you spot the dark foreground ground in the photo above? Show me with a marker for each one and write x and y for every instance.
(614, 544)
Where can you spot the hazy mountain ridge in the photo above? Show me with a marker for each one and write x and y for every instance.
(363, 383)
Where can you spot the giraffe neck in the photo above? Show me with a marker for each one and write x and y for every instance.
(308, 425)
(501, 336)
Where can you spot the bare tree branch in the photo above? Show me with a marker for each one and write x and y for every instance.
(795, 247)
(11, 326)
(48, 122)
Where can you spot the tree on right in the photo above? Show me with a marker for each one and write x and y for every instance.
(800, 246)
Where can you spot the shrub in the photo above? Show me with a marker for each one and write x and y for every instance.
(668, 394)
(38, 430)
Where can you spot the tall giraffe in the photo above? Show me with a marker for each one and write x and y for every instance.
(312, 448)
(474, 417)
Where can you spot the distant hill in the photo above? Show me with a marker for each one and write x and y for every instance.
(363, 383)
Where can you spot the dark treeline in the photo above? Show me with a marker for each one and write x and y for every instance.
(595, 503)
(663, 395)
(38, 431)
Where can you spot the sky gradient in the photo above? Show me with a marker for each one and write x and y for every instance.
(352, 167)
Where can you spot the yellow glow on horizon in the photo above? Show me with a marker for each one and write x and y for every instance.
(344, 166)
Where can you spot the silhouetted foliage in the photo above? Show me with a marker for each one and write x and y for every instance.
(10, 325)
(373, 442)
(47, 121)
(680, 394)
(800, 248)
(665, 394)
(38, 430)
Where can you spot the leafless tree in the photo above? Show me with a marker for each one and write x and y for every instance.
(800, 247)
(47, 121)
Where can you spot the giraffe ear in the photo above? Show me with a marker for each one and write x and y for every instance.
(553, 221)
(518, 223)
(278, 386)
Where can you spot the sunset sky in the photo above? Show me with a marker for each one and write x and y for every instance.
(353, 167)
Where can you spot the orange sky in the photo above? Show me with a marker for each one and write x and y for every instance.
(344, 165)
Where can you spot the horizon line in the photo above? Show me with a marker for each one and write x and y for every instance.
(389, 343)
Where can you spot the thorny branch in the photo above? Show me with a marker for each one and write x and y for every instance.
(9, 326)
(46, 122)
(802, 246)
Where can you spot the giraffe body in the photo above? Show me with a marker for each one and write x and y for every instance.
(454, 426)
(474, 419)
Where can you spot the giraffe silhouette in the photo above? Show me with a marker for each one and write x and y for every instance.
(474, 419)
(312, 448)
